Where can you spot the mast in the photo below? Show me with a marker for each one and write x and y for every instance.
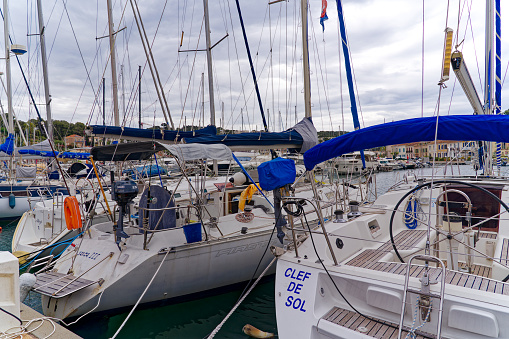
(349, 77)
(305, 58)
(152, 66)
(139, 95)
(10, 128)
(498, 75)
(113, 64)
(45, 70)
(209, 63)
(123, 90)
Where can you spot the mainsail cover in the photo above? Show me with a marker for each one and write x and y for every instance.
(141, 134)
(302, 136)
(452, 127)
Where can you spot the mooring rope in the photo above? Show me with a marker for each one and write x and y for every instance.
(218, 327)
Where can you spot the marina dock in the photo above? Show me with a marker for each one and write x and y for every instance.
(46, 329)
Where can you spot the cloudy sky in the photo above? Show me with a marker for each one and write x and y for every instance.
(385, 37)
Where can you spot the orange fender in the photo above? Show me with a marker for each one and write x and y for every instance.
(72, 213)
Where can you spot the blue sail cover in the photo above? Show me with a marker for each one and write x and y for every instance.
(452, 127)
(248, 139)
(8, 145)
(152, 134)
(302, 136)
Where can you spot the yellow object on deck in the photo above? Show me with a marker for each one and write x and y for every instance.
(22, 256)
(247, 194)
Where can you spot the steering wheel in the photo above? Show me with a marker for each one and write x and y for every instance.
(428, 184)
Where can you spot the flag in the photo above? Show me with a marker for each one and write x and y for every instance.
(323, 16)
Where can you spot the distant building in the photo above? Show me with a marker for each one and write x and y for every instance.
(444, 149)
(74, 141)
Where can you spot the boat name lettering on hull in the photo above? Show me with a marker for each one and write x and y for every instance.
(243, 248)
(295, 287)
(89, 255)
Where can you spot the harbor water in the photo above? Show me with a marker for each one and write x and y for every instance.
(197, 318)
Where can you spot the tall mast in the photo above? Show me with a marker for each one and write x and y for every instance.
(305, 58)
(45, 70)
(209, 62)
(349, 76)
(139, 95)
(498, 75)
(113, 64)
(489, 78)
(10, 128)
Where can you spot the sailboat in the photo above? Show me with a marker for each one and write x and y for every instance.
(427, 259)
(183, 239)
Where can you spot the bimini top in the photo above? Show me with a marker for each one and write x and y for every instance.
(197, 151)
(452, 127)
(145, 150)
(126, 151)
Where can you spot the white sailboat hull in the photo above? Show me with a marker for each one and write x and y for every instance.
(187, 270)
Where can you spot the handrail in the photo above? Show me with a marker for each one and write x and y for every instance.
(322, 224)
(173, 228)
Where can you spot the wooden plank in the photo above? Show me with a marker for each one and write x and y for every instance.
(377, 327)
(463, 280)
(333, 313)
(338, 316)
(491, 286)
(499, 287)
(484, 284)
(352, 320)
(504, 253)
(470, 281)
(344, 320)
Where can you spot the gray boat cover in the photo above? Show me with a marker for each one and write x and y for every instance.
(26, 172)
(189, 152)
(308, 132)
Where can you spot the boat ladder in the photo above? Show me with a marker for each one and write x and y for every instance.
(425, 294)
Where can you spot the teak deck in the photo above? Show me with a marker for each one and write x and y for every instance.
(376, 329)
(408, 239)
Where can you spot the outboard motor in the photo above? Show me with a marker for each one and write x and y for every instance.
(123, 192)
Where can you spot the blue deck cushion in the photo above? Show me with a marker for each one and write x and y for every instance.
(276, 173)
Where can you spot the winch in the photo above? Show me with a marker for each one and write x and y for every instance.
(122, 192)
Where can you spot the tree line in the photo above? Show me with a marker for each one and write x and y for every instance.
(61, 129)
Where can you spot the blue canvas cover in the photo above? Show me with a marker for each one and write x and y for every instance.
(8, 145)
(269, 139)
(452, 127)
(162, 197)
(152, 134)
(276, 173)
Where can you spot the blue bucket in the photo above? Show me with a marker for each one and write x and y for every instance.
(192, 232)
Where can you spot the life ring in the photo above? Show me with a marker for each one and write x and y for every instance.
(72, 213)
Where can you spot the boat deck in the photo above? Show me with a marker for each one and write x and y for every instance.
(369, 326)
(408, 239)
